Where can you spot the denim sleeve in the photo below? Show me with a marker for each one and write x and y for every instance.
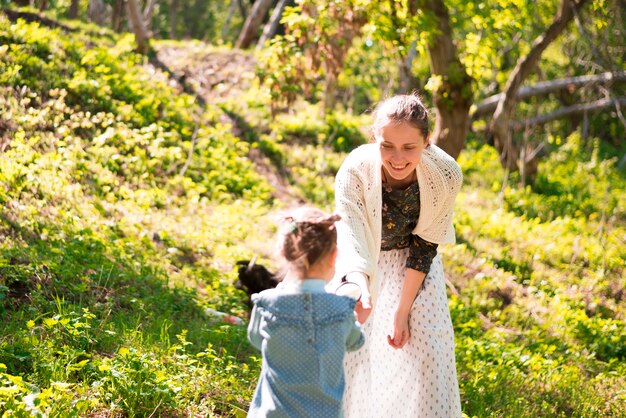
(421, 254)
(254, 334)
(355, 339)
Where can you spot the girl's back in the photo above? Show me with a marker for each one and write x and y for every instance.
(302, 334)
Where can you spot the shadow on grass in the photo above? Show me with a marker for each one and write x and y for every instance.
(111, 277)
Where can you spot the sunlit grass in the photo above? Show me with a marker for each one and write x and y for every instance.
(125, 207)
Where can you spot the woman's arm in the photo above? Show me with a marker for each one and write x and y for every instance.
(421, 255)
(353, 230)
(355, 260)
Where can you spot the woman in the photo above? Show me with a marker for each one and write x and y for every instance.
(396, 197)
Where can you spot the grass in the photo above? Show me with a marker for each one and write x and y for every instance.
(125, 205)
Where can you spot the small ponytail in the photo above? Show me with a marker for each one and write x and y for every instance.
(305, 237)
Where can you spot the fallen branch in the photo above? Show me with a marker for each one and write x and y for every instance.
(568, 111)
(488, 105)
(14, 15)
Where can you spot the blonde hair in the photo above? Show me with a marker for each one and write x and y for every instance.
(305, 237)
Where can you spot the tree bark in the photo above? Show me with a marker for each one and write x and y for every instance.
(253, 22)
(148, 12)
(229, 17)
(568, 111)
(453, 98)
(118, 14)
(272, 25)
(95, 11)
(499, 126)
(73, 13)
(141, 34)
(14, 15)
(408, 81)
(242, 9)
(173, 16)
(490, 103)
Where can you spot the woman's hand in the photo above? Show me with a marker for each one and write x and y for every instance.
(413, 281)
(401, 333)
(363, 307)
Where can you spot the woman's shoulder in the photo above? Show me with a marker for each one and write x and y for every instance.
(441, 159)
(435, 152)
(362, 152)
(440, 164)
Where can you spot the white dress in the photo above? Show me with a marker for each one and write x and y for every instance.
(418, 380)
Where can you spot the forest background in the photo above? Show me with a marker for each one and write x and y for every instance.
(147, 146)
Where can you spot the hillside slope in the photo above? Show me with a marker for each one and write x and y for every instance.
(126, 203)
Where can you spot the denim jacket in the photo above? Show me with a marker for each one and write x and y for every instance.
(303, 333)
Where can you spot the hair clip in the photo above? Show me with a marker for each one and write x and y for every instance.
(293, 226)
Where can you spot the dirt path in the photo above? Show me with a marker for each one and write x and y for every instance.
(214, 75)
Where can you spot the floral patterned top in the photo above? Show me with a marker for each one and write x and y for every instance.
(401, 208)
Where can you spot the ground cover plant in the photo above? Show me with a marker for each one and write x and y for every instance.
(122, 210)
(125, 205)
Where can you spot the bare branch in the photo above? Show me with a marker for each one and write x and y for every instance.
(489, 104)
(568, 111)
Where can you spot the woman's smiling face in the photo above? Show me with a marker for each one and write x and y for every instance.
(401, 146)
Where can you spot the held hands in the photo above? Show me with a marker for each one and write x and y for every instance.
(363, 307)
(401, 333)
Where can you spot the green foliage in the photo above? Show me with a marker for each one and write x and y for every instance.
(283, 71)
(124, 207)
(564, 188)
(539, 315)
(122, 215)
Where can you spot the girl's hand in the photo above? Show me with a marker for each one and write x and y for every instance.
(363, 307)
(401, 333)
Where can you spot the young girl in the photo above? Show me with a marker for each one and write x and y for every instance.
(396, 197)
(302, 331)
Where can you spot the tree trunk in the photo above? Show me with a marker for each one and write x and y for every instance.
(272, 25)
(73, 13)
(173, 16)
(330, 92)
(499, 126)
(141, 34)
(148, 12)
(408, 81)
(118, 14)
(253, 22)
(95, 11)
(43, 5)
(453, 98)
(242, 9)
(229, 17)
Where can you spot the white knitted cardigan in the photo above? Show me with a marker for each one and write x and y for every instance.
(358, 198)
